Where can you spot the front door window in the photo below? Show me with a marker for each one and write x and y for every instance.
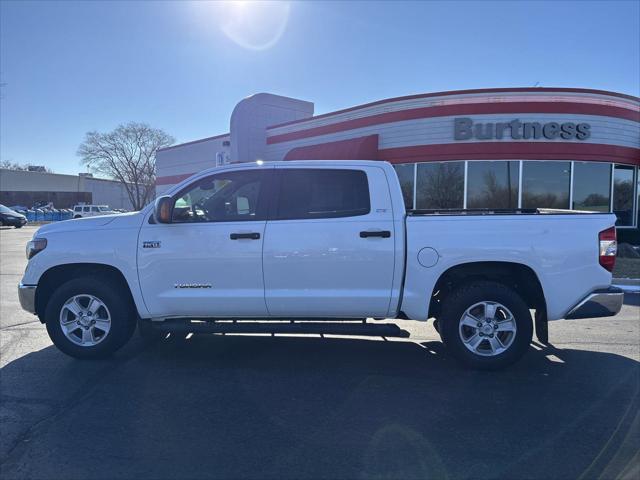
(225, 197)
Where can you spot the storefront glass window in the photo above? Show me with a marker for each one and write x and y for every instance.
(405, 175)
(638, 199)
(545, 184)
(591, 186)
(440, 185)
(623, 194)
(492, 184)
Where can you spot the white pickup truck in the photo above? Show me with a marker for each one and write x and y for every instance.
(318, 247)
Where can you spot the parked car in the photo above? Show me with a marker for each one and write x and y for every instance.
(42, 204)
(320, 240)
(11, 218)
(19, 208)
(80, 211)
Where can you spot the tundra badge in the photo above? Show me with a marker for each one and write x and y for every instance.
(192, 285)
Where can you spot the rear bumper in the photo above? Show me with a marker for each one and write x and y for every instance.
(599, 303)
(27, 297)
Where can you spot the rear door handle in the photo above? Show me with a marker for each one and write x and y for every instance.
(250, 236)
(380, 233)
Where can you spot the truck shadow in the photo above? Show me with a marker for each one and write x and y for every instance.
(292, 407)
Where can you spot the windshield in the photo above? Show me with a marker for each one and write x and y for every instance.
(4, 209)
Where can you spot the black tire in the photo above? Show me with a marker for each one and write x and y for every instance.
(116, 299)
(149, 334)
(18, 226)
(455, 305)
(77, 216)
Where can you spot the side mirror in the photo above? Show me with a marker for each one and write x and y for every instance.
(163, 209)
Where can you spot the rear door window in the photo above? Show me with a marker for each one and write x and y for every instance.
(85, 209)
(308, 193)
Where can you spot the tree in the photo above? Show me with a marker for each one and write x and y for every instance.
(9, 165)
(127, 154)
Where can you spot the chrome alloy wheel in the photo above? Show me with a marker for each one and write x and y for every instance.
(487, 328)
(85, 320)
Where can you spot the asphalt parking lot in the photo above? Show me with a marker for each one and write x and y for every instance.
(310, 407)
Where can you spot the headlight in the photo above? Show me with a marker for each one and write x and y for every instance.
(35, 246)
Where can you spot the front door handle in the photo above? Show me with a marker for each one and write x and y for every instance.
(250, 236)
(380, 233)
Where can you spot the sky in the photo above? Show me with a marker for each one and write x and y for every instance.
(67, 68)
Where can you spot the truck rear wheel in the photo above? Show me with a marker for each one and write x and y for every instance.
(486, 325)
(89, 317)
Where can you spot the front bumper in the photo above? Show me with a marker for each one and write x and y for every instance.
(599, 303)
(27, 296)
(14, 221)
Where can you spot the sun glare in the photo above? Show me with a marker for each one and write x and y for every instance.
(254, 25)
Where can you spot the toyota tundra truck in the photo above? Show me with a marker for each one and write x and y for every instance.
(317, 247)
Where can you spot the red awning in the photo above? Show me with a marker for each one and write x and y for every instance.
(361, 148)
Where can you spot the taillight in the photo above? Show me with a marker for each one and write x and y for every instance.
(608, 248)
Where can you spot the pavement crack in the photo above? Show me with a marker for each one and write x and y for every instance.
(6, 399)
(19, 324)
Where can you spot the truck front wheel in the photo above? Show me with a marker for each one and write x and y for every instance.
(89, 317)
(486, 325)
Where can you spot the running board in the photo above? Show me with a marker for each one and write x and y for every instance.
(324, 328)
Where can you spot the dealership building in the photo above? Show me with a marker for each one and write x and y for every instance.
(565, 148)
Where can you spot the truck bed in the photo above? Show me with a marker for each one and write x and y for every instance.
(561, 247)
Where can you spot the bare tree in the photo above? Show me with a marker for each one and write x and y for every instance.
(9, 165)
(128, 154)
